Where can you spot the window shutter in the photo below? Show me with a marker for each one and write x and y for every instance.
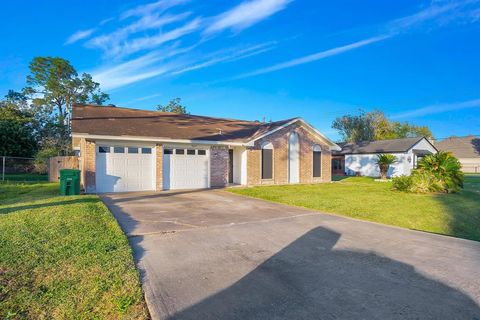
(267, 163)
(317, 164)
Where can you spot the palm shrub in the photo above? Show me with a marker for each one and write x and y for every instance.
(384, 161)
(445, 169)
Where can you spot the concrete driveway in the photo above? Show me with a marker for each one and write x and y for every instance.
(214, 255)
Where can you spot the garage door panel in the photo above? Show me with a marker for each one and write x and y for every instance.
(185, 171)
(122, 172)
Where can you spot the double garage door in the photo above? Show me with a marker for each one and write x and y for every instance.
(133, 168)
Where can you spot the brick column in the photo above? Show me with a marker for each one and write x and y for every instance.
(87, 154)
(218, 166)
(159, 167)
(326, 166)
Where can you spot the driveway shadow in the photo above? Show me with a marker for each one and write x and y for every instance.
(310, 279)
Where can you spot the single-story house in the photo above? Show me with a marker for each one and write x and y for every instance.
(135, 150)
(360, 158)
(466, 149)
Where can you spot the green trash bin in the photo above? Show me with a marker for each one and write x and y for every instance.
(69, 182)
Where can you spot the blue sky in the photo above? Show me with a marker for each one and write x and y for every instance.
(418, 61)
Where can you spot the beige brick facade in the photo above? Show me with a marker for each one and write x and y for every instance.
(159, 167)
(87, 163)
(279, 141)
(218, 166)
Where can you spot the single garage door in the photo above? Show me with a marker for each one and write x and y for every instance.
(125, 168)
(185, 168)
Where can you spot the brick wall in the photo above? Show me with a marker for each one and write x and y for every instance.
(87, 159)
(218, 166)
(159, 167)
(279, 141)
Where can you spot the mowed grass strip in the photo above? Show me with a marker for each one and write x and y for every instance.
(363, 198)
(63, 258)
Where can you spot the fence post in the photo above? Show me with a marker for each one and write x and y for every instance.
(3, 169)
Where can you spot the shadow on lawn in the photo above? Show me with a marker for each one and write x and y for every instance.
(310, 279)
(464, 209)
(46, 205)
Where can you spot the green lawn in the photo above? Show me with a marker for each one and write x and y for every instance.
(362, 198)
(63, 258)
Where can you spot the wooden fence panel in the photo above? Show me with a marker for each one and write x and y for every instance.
(57, 163)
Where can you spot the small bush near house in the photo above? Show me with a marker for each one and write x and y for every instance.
(384, 161)
(402, 183)
(435, 173)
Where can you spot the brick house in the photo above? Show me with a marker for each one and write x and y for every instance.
(136, 150)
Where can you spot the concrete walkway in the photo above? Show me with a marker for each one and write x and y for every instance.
(214, 255)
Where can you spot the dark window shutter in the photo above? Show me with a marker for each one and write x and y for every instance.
(317, 164)
(267, 163)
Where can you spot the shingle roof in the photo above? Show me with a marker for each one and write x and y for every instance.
(461, 147)
(379, 146)
(115, 121)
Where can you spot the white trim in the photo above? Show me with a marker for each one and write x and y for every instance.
(333, 146)
(154, 139)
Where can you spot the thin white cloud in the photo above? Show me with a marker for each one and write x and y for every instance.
(393, 28)
(146, 9)
(246, 14)
(114, 44)
(144, 67)
(150, 42)
(438, 108)
(223, 57)
(314, 57)
(79, 35)
(129, 72)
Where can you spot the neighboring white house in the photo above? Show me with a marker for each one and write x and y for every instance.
(360, 158)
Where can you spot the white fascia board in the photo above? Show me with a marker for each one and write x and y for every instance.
(154, 139)
(333, 145)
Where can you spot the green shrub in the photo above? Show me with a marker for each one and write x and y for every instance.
(435, 173)
(402, 183)
(384, 161)
(445, 169)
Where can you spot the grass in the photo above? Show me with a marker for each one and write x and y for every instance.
(63, 258)
(24, 177)
(456, 215)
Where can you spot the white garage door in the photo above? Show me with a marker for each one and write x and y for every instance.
(185, 168)
(124, 168)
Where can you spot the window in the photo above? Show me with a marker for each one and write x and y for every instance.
(132, 150)
(267, 161)
(167, 151)
(179, 151)
(119, 149)
(147, 150)
(317, 161)
(104, 149)
(191, 152)
(202, 152)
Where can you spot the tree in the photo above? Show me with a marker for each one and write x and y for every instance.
(17, 137)
(174, 106)
(374, 125)
(54, 86)
(384, 161)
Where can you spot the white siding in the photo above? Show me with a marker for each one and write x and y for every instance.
(366, 165)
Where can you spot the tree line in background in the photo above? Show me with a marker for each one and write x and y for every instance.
(374, 125)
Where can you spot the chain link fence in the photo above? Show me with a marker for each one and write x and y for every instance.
(23, 169)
